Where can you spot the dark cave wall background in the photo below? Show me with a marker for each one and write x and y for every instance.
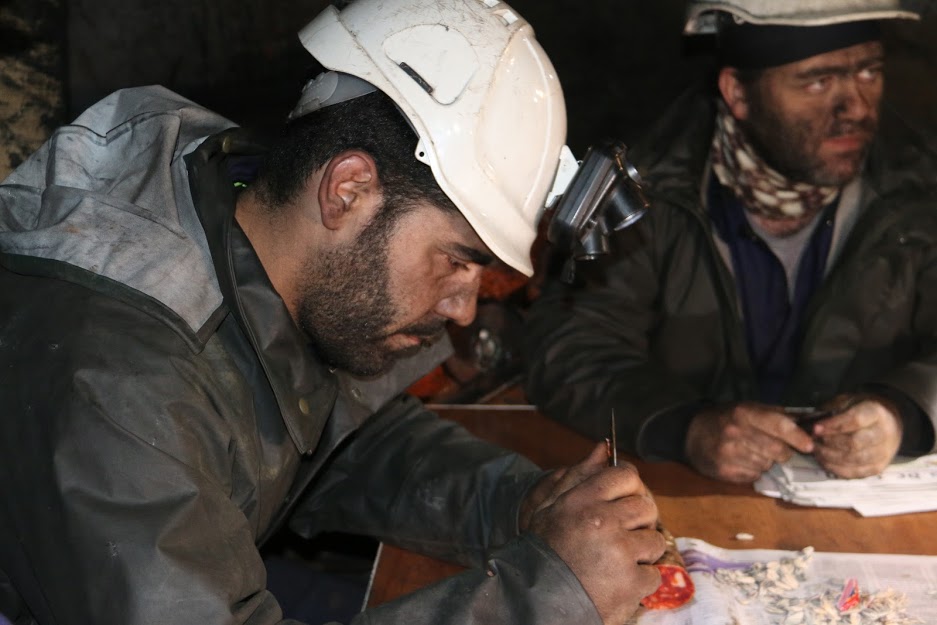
(620, 61)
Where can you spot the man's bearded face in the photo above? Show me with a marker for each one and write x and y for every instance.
(813, 120)
(348, 310)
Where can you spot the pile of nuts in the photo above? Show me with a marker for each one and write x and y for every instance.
(780, 586)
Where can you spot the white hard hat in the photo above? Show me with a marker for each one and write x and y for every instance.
(702, 14)
(481, 95)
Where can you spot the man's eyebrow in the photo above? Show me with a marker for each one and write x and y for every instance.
(826, 70)
(473, 255)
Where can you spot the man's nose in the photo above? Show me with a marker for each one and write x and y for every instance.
(856, 100)
(461, 303)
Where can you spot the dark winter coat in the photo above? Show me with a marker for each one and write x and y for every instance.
(656, 331)
(163, 416)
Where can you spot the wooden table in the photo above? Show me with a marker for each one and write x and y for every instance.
(690, 505)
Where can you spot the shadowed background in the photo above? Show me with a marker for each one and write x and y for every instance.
(619, 61)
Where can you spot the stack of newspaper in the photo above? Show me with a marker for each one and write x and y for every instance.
(907, 485)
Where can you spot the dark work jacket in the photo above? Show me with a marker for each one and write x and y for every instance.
(655, 331)
(163, 416)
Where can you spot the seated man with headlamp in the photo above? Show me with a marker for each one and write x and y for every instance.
(780, 295)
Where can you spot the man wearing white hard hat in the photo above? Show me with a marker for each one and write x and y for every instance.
(204, 338)
(780, 295)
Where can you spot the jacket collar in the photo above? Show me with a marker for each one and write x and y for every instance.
(673, 156)
(305, 389)
(308, 392)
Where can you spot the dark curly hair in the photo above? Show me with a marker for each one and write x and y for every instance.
(371, 123)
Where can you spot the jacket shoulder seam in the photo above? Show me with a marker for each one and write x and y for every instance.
(59, 270)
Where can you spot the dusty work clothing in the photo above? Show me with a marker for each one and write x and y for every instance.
(656, 331)
(163, 416)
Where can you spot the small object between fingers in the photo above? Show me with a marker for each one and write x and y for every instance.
(806, 417)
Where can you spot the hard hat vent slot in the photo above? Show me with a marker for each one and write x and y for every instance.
(412, 73)
(436, 56)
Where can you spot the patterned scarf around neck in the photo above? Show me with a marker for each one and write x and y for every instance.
(783, 205)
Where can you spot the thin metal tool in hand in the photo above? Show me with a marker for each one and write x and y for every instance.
(613, 444)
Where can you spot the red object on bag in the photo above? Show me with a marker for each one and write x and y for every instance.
(676, 588)
(850, 597)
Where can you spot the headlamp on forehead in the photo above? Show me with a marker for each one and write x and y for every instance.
(600, 195)
(604, 196)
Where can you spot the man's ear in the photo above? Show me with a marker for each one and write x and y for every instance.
(349, 189)
(733, 92)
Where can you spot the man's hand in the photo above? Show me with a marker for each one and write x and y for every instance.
(737, 443)
(860, 439)
(601, 521)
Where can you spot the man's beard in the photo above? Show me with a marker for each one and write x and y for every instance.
(792, 146)
(346, 307)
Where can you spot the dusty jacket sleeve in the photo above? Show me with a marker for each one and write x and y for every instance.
(421, 482)
(128, 488)
(521, 582)
(912, 384)
(587, 347)
(121, 503)
(426, 484)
